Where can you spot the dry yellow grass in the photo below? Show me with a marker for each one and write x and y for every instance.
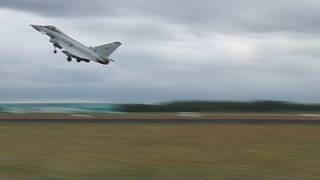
(159, 152)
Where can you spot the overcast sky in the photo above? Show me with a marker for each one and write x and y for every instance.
(172, 50)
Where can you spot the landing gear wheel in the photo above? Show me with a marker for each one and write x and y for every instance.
(55, 51)
(69, 59)
(78, 60)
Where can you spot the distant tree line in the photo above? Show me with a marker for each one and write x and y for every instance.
(222, 106)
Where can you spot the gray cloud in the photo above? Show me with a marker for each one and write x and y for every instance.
(172, 50)
(248, 15)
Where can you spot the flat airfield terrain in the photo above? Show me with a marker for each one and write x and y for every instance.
(246, 118)
(159, 151)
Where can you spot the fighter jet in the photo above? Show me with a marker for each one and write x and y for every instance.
(74, 49)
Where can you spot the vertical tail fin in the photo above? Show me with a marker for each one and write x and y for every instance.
(107, 49)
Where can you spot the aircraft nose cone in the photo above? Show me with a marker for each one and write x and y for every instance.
(36, 27)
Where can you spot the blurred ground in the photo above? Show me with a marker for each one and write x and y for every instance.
(159, 116)
(159, 151)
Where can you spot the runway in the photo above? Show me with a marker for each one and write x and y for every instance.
(159, 119)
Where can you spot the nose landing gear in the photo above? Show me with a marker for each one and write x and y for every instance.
(55, 50)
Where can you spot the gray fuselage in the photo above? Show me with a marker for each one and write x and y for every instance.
(69, 46)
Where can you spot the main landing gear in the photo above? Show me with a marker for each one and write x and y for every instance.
(69, 59)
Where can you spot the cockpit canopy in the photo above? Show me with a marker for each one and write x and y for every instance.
(53, 28)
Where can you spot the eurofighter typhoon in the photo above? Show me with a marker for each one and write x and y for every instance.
(74, 49)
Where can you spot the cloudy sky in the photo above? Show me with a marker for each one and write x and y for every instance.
(172, 50)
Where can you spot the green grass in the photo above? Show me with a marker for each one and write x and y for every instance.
(159, 152)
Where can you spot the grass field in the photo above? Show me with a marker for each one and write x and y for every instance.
(159, 152)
